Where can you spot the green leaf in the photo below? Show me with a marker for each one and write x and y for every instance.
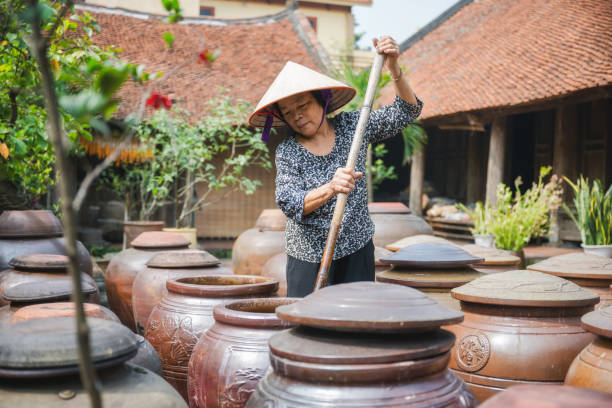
(110, 79)
(168, 38)
(100, 125)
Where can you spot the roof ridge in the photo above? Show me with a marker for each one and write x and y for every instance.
(433, 24)
(270, 18)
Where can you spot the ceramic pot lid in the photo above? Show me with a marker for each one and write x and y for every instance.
(380, 253)
(576, 265)
(160, 239)
(431, 255)
(599, 321)
(525, 288)
(50, 343)
(45, 291)
(40, 262)
(416, 239)
(388, 208)
(369, 306)
(429, 278)
(549, 396)
(492, 256)
(30, 223)
(271, 220)
(183, 259)
(312, 345)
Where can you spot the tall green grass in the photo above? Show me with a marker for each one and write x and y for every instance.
(593, 211)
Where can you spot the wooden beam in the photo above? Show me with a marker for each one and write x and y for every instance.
(417, 175)
(497, 154)
(565, 147)
(475, 168)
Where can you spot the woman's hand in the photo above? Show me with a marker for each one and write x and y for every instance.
(388, 46)
(344, 180)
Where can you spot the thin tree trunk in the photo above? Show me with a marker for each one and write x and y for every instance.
(39, 48)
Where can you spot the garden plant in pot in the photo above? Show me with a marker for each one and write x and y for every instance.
(593, 216)
(481, 216)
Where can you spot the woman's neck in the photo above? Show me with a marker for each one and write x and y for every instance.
(321, 143)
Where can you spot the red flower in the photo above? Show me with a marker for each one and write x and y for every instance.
(157, 101)
(208, 57)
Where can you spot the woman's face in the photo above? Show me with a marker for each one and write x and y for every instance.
(302, 112)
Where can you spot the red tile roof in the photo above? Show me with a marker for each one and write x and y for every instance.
(252, 52)
(500, 53)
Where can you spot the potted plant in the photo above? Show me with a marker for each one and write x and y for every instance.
(593, 216)
(481, 217)
(518, 217)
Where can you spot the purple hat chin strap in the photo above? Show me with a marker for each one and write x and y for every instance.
(265, 135)
(326, 94)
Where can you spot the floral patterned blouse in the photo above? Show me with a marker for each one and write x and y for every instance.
(298, 171)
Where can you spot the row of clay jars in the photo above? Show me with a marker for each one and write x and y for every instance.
(150, 284)
(124, 267)
(46, 374)
(185, 312)
(232, 356)
(40, 268)
(35, 232)
(592, 368)
(520, 327)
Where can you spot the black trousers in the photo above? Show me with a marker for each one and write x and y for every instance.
(358, 266)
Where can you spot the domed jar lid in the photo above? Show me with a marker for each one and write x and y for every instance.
(328, 356)
(48, 347)
(40, 262)
(416, 239)
(429, 278)
(271, 220)
(388, 208)
(160, 239)
(492, 256)
(183, 260)
(525, 288)
(51, 290)
(576, 265)
(549, 396)
(30, 223)
(431, 255)
(369, 307)
(599, 321)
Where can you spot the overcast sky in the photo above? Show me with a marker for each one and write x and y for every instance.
(397, 18)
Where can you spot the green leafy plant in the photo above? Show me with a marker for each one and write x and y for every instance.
(481, 215)
(378, 169)
(594, 211)
(518, 217)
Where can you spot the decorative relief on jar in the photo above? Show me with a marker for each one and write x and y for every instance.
(473, 352)
(173, 338)
(241, 384)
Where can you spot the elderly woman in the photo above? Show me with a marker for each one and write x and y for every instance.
(310, 170)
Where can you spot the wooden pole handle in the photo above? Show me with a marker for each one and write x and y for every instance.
(364, 115)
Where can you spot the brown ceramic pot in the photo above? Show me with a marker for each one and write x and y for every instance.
(124, 267)
(186, 311)
(231, 357)
(393, 221)
(150, 284)
(592, 368)
(520, 327)
(35, 232)
(549, 396)
(276, 268)
(495, 260)
(59, 309)
(40, 268)
(589, 271)
(45, 373)
(255, 246)
(133, 229)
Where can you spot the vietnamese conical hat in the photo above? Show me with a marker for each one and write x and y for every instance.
(295, 79)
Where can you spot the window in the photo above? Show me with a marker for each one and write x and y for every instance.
(313, 22)
(207, 11)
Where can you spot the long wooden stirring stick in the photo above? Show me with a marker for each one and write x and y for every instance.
(334, 228)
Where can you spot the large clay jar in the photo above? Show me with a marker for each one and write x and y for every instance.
(495, 260)
(133, 229)
(231, 357)
(124, 267)
(520, 327)
(549, 396)
(431, 267)
(589, 271)
(35, 232)
(393, 221)
(276, 268)
(255, 246)
(150, 284)
(185, 312)
(38, 367)
(592, 368)
(40, 268)
(362, 344)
